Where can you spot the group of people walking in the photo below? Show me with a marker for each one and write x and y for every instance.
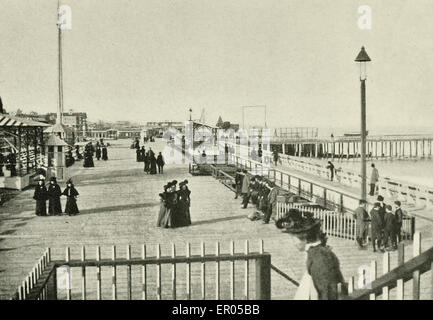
(260, 191)
(386, 223)
(175, 204)
(53, 194)
(90, 151)
(151, 163)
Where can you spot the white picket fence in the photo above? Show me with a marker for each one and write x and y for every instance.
(333, 223)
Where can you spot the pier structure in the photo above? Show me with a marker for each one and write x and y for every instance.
(114, 248)
(349, 147)
(346, 184)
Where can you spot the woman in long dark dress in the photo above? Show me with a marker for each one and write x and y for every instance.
(71, 203)
(146, 162)
(104, 153)
(98, 152)
(183, 217)
(152, 164)
(40, 196)
(142, 154)
(54, 194)
(138, 155)
(162, 207)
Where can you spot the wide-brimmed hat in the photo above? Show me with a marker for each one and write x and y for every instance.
(168, 185)
(379, 198)
(297, 222)
(174, 182)
(53, 179)
(69, 181)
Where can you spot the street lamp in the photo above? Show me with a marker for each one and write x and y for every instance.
(362, 59)
(190, 114)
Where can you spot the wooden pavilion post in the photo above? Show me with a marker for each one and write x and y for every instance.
(19, 152)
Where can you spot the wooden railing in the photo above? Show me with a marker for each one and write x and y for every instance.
(403, 191)
(321, 194)
(341, 225)
(43, 282)
(413, 271)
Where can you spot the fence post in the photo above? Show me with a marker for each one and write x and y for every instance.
(416, 273)
(263, 278)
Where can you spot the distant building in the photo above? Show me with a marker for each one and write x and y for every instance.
(77, 121)
(158, 128)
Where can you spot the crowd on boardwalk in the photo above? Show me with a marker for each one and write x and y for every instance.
(151, 163)
(52, 194)
(174, 205)
(386, 223)
(261, 192)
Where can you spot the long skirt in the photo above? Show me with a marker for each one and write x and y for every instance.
(41, 207)
(54, 206)
(167, 219)
(161, 215)
(104, 154)
(152, 168)
(71, 206)
(146, 165)
(181, 218)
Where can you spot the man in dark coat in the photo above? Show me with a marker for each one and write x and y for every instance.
(389, 229)
(398, 220)
(361, 216)
(160, 162)
(238, 182)
(54, 194)
(40, 195)
(376, 227)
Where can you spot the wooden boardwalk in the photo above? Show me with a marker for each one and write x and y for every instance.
(119, 205)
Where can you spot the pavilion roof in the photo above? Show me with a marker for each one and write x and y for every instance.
(7, 121)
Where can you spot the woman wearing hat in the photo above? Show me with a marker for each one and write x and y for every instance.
(322, 276)
(40, 196)
(182, 216)
(162, 220)
(71, 203)
(54, 194)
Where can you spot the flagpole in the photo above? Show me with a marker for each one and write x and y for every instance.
(60, 68)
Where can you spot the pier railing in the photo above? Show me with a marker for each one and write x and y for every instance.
(395, 189)
(246, 275)
(342, 225)
(330, 198)
(409, 280)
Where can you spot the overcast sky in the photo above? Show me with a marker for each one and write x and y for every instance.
(153, 59)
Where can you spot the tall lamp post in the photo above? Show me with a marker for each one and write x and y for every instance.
(190, 114)
(362, 59)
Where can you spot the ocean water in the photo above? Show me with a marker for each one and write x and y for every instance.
(414, 171)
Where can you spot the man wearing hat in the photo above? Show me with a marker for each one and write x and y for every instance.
(272, 202)
(245, 189)
(374, 179)
(376, 227)
(54, 194)
(389, 229)
(398, 220)
(40, 195)
(361, 216)
(323, 274)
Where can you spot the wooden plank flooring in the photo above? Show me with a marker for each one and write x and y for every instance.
(119, 205)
